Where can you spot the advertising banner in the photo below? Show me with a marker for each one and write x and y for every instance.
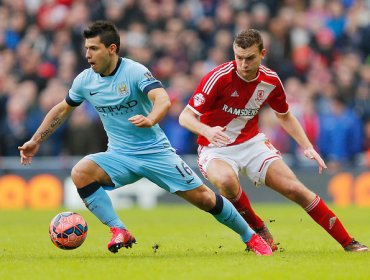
(47, 184)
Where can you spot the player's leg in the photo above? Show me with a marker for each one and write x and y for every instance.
(170, 172)
(223, 176)
(281, 178)
(224, 212)
(89, 178)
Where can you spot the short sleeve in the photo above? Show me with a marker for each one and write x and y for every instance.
(75, 95)
(277, 101)
(146, 80)
(203, 97)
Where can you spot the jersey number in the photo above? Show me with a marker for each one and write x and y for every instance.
(185, 168)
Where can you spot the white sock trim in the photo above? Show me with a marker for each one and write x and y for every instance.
(313, 204)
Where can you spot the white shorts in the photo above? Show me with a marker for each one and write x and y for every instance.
(251, 158)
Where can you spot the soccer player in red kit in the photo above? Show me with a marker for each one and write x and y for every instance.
(223, 111)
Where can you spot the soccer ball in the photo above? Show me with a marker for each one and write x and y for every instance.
(68, 230)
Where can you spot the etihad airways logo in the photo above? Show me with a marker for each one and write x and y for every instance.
(240, 112)
(119, 109)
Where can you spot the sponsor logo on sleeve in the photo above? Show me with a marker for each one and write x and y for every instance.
(198, 99)
(149, 76)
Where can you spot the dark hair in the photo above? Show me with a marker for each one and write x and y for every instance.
(107, 32)
(248, 38)
(339, 98)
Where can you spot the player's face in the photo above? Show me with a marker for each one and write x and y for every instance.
(248, 60)
(100, 57)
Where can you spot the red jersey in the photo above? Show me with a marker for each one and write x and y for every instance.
(223, 98)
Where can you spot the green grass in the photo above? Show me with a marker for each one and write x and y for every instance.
(192, 245)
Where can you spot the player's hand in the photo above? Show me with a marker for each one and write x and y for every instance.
(27, 151)
(216, 136)
(312, 154)
(141, 121)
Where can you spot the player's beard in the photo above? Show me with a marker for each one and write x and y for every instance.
(100, 68)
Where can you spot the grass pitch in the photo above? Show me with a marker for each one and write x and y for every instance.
(182, 242)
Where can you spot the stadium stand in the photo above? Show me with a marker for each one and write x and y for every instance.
(320, 49)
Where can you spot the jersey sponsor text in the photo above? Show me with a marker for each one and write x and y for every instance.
(240, 112)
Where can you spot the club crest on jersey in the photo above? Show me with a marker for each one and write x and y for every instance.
(122, 89)
(198, 99)
(260, 95)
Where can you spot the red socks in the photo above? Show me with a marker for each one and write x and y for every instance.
(322, 215)
(317, 209)
(242, 204)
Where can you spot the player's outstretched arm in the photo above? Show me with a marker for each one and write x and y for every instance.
(53, 119)
(215, 135)
(292, 126)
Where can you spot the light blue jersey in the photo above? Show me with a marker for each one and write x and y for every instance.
(133, 152)
(118, 97)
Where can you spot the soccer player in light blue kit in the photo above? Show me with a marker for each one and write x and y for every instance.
(130, 103)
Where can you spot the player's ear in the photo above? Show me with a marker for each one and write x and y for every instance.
(112, 48)
(263, 53)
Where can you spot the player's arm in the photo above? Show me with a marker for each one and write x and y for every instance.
(161, 105)
(53, 119)
(292, 126)
(214, 135)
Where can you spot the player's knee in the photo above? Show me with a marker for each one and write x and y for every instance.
(295, 191)
(79, 175)
(207, 203)
(207, 200)
(225, 182)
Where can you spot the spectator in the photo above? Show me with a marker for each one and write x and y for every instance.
(326, 44)
(341, 137)
(83, 135)
(361, 102)
(14, 128)
(367, 143)
(337, 20)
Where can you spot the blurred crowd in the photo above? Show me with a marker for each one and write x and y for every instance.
(320, 49)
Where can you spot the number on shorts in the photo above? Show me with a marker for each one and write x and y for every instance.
(184, 168)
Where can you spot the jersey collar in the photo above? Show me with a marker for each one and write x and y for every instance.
(115, 69)
(248, 81)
